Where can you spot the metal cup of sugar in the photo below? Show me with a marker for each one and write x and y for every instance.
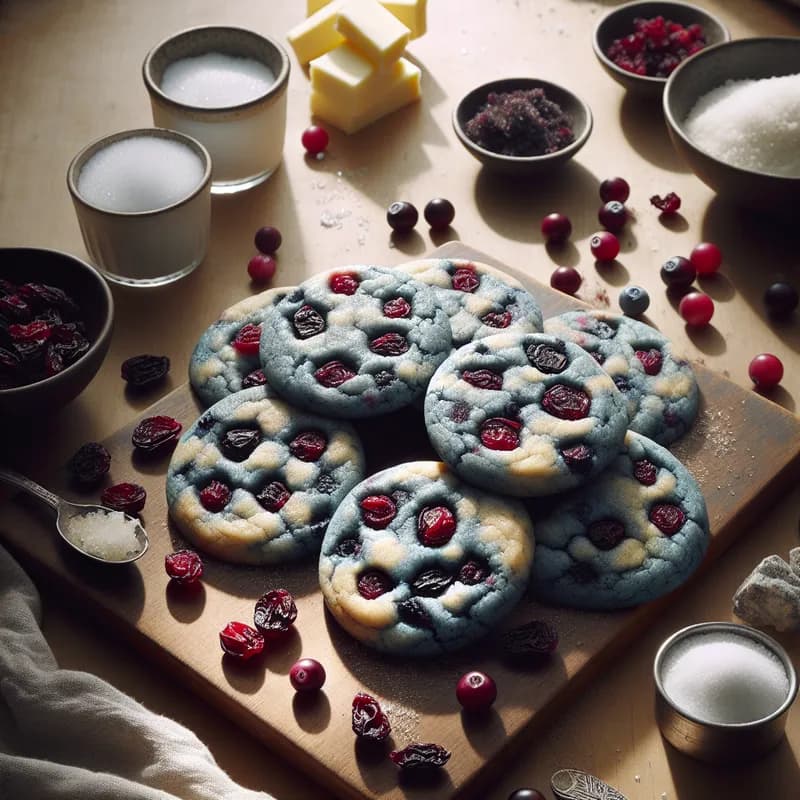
(143, 202)
(226, 87)
(723, 691)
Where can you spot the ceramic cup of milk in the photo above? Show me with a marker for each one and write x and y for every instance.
(227, 88)
(143, 201)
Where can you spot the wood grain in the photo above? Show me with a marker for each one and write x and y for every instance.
(743, 450)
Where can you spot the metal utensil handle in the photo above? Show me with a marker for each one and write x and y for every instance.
(29, 486)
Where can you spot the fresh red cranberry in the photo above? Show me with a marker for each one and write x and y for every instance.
(604, 246)
(678, 272)
(184, 567)
(275, 613)
(373, 583)
(261, 268)
(696, 308)
(650, 359)
(645, 472)
(526, 794)
(765, 370)
(396, 308)
(566, 279)
(308, 445)
(497, 319)
(268, 239)
(378, 510)
(248, 340)
(390, 344)
(402, 216)
(668, 204)
(706, 258)
(368, 719)
(215, 496)
(483, 378)
(500, 433)
(605, 534)
(274, 496)
(556, 228)
(439, 213)
(307, 675)
(465, 279)
(144, 370)
(613, 216)
(344, 283)
(667, 517)
(333, 374)
(476, 691)
(614, 189)
(315, 140)
(89, 463)
(420, 756)
(154, 434)
(436, 526)
(781, 299)
(566, 402)
(126, 497)
(241, 641)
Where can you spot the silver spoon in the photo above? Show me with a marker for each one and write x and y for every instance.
(72, 523)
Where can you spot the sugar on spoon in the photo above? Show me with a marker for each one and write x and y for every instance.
(100, 533)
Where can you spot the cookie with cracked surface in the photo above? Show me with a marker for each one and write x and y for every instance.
(633, 534)
(256, 481)
(355, 342)
(524, 414)
(659, 386)
(415, 562)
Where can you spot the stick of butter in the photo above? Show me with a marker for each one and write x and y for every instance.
(317, 34)
(370, 28)
(412, 13)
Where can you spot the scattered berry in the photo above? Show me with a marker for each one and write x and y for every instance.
(153, 434)
(307, 675)
(614, 189)
(144, 370)
(765, 370)
(89, 463)
(420, 755)
(241, 641)
(556, 228)
(439, 213)
(184, 567)
(275, 613)
(261, 268)
(604, 246)
(126, 497)
(613, 216)
(402, 216)
(267, 240)
(531, 640)
(678, 272)
(368, 719)
(315, 140)
(781, 299)
(696, 308)
(634, 300)
(526, 794)
(668, 204)
(476, 691)
(706, 258)
(566, 279)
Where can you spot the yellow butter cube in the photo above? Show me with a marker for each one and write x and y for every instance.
(315, 5)
(412, 13)
(316, 34)
(370, 28)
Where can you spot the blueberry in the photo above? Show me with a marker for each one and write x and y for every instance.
(633, 300)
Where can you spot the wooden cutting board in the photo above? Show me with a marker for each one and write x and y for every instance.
(743, 450)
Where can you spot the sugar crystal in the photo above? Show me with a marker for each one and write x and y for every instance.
(107, 535)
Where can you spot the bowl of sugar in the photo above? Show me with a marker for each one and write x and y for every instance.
(733, 114)
(723, 691)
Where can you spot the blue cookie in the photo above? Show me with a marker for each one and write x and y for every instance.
(633, 534)
(415, 562)
(524, 414)
(354, 342)
(479, 300)
(659, 386)
(255, 481)
(226, 357)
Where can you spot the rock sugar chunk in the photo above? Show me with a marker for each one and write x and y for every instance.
(634, 533)
(255, 481)
(417, 563)
(524, 414)
(355, 342)
(480, 300)
(226, 358)
(659, 386)
(770, 595)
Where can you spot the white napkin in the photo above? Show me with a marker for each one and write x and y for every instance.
(70, 735)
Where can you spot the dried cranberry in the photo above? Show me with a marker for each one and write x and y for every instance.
(53, 362)
(499, 433)
(325, 484)
(90, 462)
(273, 496)
(431, 582)
(645, 472)
(378, 510)
(10, 369)
(35, 331)
(215, 496)
(547, 358)
(412, 612)
(13, 307)
(333, 374)
(238, 443)
(307, 322)
(373, 583)
(254, 378)
(473, 572)
(566, 402)
(41, 295)
(390, 344)
(241, 641)
(184, 567)
(621, 382)
(600, 328)
(308, 445)
(400, 497)
(275, 613)
(154, 434)
(344, 283)
(383, 378)
(651, 360)
(465, 279)
(578, 458)
(420, 756)
(348, 547)
(396, 308)
(144, 370)
(368, 719)
(127, 497)
(68, 342)
(606, 534)
(497, 319)
(459, 412)
(668, 204)
(537, 638)
(667, 517)
(436, 525)
(247, 340)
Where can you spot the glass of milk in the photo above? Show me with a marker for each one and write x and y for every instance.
(143, 202)
(226, 87)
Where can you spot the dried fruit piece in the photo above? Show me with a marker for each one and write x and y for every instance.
(43, 296)
(215, 496)
(465, 279)
(645, 472)
(536, 638)
(566, 402)
(420, 755)
(436, 525)
(13, 307)
(254, 378)
(308, 445)
(667, 517)
(248, 340)
(547, 358)
(396, 308)
(333, 374)
(368, 720)
(373, 583)
(348, 547)
(578, 458)
(89, 463)
(606, 534)
(307, 322)
(34, 331)
(238, 443)
(431, 582)
(184, 567)
(412, 612)
(377, 510)
(154, 434)
(275, 612)
(144, 370)
(390, 344)
(500, 433)
(273, 496)
(127, 497)
(325, 484)
(344, 283)
(241, 641)
(651, 360)
(473, 572)
(497, 319)
(483, 378)
(668, 204)
(383, 378)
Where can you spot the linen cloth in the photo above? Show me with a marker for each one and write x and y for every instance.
(67, 735)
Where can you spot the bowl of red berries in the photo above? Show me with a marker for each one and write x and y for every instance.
(522, 126)
(56, 317)
(640, 44)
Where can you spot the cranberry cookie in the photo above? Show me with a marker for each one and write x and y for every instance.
(415, 562)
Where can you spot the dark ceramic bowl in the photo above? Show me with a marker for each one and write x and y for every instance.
(619, 22)
(739, 60)
(578, 112)
(86, 287)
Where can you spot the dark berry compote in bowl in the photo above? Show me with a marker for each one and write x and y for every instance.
(56, 317)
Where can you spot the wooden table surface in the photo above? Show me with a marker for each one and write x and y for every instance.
(70, 72)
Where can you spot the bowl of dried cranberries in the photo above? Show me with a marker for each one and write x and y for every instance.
(640, 44)
(56, 317)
